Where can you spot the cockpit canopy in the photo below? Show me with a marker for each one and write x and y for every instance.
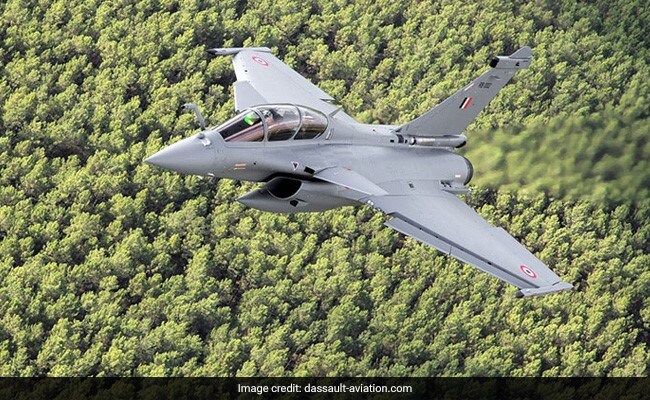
(274, 123)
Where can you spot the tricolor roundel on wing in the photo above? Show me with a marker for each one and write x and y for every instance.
(260, 60)
(526, 270)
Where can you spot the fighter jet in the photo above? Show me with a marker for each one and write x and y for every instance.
(311, 156)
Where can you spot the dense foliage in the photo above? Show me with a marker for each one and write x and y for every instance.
(112, 267)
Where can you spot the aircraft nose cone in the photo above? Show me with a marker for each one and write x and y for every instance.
(188, 156)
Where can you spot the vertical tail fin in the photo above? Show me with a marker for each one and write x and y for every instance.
(454, 114)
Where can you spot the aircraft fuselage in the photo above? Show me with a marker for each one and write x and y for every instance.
(371, 150)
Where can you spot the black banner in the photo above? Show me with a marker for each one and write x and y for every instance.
(323, 388)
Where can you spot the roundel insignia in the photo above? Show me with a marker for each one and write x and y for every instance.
(260, 60)
(528, 271)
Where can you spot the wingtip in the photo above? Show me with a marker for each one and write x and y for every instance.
(555, 288)
(225, 51)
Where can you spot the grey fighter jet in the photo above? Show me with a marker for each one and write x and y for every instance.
(312, 156)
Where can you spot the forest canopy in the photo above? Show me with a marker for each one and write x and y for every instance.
(109, 266)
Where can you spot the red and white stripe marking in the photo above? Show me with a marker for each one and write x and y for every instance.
(528, 271)
(466, 102)
(260, 60)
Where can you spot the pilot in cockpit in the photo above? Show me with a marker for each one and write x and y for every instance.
(283, 122)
